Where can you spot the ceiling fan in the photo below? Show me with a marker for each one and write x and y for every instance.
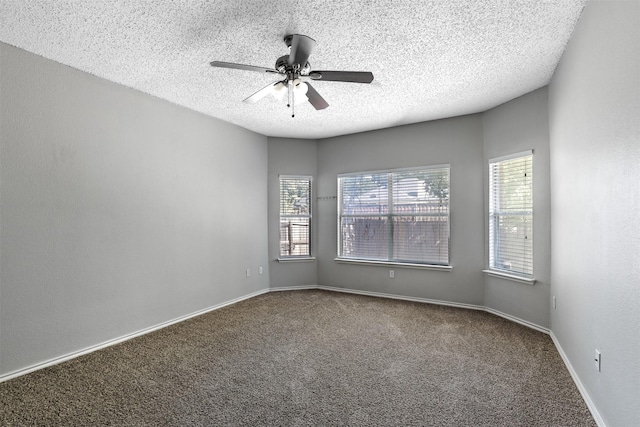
(295, 72)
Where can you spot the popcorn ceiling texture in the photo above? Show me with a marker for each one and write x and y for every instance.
(430, 59)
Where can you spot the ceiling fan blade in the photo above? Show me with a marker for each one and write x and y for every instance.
(315, 99)
(301, 47)
(342, 76)
(242, 67)
(270, 88)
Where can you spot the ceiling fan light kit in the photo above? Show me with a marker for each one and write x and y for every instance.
(295, 72)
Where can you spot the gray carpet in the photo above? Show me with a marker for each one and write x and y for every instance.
(311, 358)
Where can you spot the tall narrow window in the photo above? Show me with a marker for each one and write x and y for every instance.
(399, 216)
(511, 214)
(295, 216)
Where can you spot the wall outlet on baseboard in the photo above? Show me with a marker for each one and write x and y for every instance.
(598, 360)
(392, 274)
(260, 270)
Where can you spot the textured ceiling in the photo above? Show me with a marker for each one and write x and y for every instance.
(430, 59)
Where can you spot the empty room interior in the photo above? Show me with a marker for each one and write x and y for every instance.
(139, 195)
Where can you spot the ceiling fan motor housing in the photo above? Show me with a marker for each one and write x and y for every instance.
(282, 63)
(283, 67)
(292, 67)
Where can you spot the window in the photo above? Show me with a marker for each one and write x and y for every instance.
(511, 214)
(295, 216)
(399, 216)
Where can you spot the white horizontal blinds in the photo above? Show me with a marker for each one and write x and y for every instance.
(364, 222)
(295, 216)
(420, 213)
(399, 216)
(511, 215)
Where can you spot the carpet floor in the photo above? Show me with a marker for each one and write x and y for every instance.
(309, 358)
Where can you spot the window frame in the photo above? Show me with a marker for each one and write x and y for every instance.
(390, 215)
(496, 213)
(283, 257)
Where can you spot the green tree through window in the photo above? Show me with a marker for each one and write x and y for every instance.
(401, 216)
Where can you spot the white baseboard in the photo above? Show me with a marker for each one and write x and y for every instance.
(585, 396)
(517, 320)
(439, 302)
(400, 297)
(292, 288)
(576, 379)
(91, 349)
(69, 356)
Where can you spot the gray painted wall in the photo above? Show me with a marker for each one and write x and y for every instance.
(290, 157)
(457, 141)
(516, 126)
(519, 125)
(118, 211)
(594, 121)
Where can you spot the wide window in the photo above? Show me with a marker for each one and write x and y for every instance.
(399, 216)
(511, 214)
(295, 216)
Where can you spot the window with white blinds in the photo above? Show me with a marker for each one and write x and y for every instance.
(295, 216)
(511, 214)
(399, 216)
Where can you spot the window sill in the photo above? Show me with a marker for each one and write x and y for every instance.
(512, 277)
(394, 264)
(298, 259)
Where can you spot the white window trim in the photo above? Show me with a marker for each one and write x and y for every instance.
(298, 258)
(529, 280)
(415, 168)
(509, 276)
(359, 261)
(309, 177)
(294, 258)
(511, 156)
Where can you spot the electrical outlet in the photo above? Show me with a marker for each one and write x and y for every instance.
(260, 270)
(598, 360)
(248, 272)
(554, 302)
(392, 274)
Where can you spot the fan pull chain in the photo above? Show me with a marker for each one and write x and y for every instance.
(293, 102)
